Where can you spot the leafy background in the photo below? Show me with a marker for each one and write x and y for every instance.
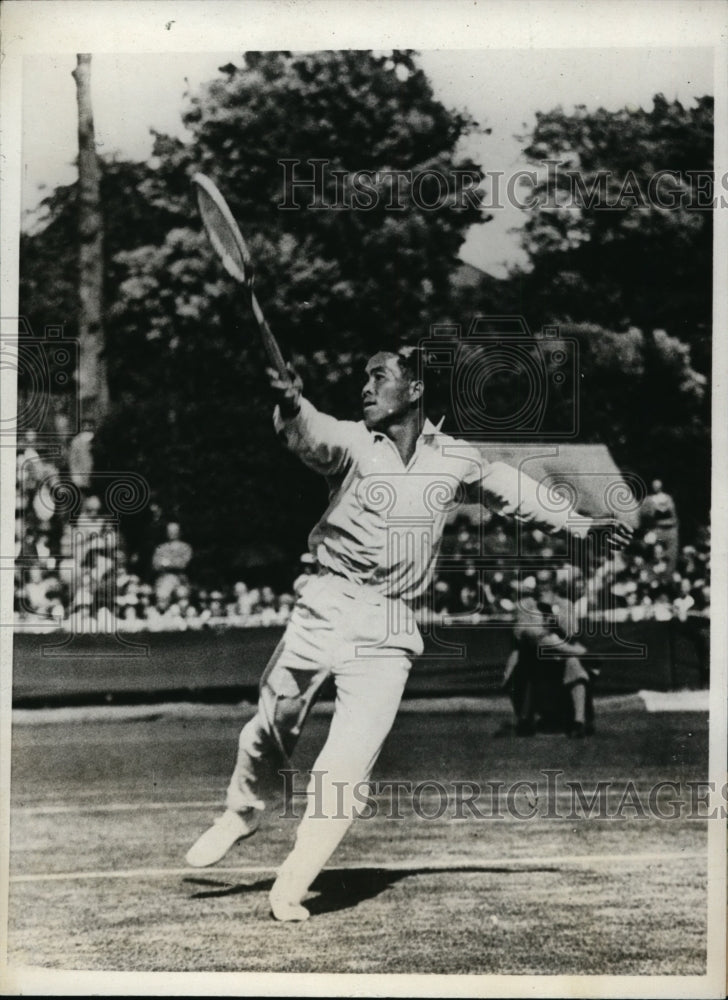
(189, 411)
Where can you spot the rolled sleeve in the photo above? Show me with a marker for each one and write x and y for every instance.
(321, 441)
(508, 491)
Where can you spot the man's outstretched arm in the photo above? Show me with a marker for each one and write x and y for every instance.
(508, 491)
(319, 440)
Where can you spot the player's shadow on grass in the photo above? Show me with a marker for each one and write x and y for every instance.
(219, 887)
(343, 888)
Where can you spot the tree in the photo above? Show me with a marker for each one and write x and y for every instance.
(335, 282)
(619, 238)
(622, 231)
(92, 382)
(50, 259)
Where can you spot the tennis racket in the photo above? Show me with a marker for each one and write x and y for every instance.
(227, 241)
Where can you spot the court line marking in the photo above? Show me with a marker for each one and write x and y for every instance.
(117, 807)
(111, 807)
(421, 866)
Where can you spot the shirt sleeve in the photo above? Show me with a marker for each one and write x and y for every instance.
(322, 442)
(510, 492)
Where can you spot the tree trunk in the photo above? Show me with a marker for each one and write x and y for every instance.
(92, 379)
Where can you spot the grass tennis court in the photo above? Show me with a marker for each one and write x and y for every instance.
(103, 812)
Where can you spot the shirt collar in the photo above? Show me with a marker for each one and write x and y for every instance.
(429, 429)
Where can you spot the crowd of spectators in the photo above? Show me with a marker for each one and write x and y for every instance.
(642, 582)
(73, 570)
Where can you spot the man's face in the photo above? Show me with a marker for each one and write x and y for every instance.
(388, 392)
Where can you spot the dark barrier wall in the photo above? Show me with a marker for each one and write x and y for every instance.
(54, 667)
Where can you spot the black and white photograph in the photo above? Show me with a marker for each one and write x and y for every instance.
(363, 537)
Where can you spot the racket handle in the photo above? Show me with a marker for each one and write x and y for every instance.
(269, 341)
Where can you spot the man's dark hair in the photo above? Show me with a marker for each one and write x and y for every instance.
(411, 361)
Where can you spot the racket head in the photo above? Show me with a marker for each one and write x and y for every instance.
(222, 229)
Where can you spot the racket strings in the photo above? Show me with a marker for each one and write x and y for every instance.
(222, 237)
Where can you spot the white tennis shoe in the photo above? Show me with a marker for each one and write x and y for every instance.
(286, 910)
(227, 830)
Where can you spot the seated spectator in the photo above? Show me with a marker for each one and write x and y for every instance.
(82, 619)
(28, 464)
(88, 531)
(130, 617)
(82, 595)
(144, 602)
(65, 545)
(549, 680)
(100, 565)
(660, 566)
(684, 600)
(182, 614)
(496, 542)
(215, 610)
(658, 517)
(43, 502)
(34, 595)
(467, 541)
(688, 561)
(240, 607)
(26, 548)
(156, 612)
(43, 551)
(285, 607)
(469, 600)
(170, 561)
(497, 594)
(106, 620)
(661, 607)
(633, 611)
(56, 609)
(267, 610)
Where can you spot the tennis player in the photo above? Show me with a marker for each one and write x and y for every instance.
(393, 478)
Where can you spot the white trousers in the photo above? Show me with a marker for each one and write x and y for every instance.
(364, 641)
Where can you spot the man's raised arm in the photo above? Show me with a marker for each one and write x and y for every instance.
(319, 440)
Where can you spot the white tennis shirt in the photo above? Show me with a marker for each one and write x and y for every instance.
(384, 522)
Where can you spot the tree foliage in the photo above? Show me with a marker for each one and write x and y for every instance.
(345, 279)
(619, 239)
(189, 407)
(622, 232)
(185, 366)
